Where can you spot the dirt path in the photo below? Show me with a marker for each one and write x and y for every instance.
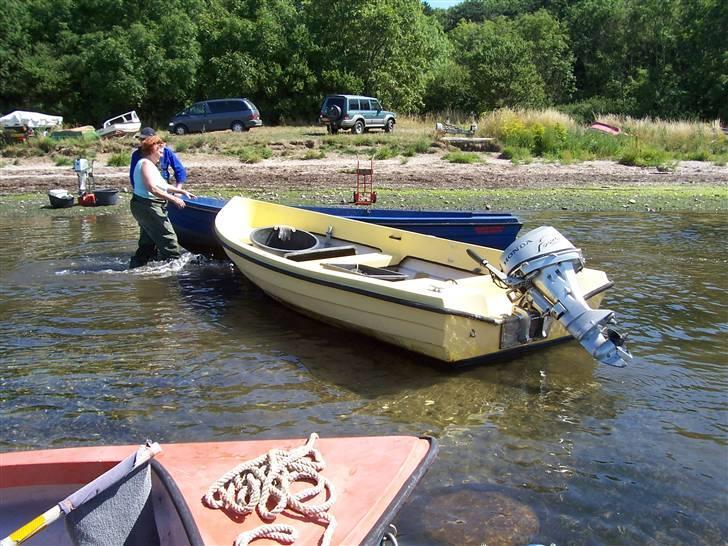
(427, 171)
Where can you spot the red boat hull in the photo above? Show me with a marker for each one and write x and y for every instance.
(372, 477)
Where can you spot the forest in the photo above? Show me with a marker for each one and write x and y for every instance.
(88, 60)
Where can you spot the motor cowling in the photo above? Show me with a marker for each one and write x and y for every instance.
(84, 172)
(541, 268)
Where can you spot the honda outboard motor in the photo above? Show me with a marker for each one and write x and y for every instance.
(540, 270)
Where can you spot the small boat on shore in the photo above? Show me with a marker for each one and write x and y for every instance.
(438, 297)
(195, 224)
(346, 490)
(125, 124)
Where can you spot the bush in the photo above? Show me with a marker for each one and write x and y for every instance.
(314, 154)
(181, 146)
(462, 157)
(251, 154)
(387, 152)
(61, 161)
(645, 156)
(119, 160)
(516, 154)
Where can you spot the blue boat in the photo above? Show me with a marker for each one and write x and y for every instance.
(195, 229)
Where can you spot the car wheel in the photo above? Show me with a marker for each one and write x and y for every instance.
(358, 128)
(180, 129)
(333, 112)
(237, 127)
(389, 126)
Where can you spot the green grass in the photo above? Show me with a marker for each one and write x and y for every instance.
(638, 200)
(523, 135)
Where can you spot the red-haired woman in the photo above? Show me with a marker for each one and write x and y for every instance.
(157, 239)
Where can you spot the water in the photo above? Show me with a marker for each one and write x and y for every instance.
(548, 448)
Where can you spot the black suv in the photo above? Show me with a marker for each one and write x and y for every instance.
(355, 112)
(216, 115)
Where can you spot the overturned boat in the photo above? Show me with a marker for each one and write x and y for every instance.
(319, 491)
(438, 297)
(124, 124)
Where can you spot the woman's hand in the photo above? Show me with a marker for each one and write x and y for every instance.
(177, 201)
(187, 194)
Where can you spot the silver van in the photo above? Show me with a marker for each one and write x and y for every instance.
(216, 115)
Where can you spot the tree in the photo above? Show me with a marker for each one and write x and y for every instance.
(550, 52)
(500, 66)
(259, 49)
(479, 11)
(384, 48)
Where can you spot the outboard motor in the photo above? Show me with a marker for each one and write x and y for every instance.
(83, 172)
(540, 270)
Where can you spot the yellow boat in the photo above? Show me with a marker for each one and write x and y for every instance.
(437, 297)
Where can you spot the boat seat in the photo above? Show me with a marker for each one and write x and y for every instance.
(320, 253)
(364, 270)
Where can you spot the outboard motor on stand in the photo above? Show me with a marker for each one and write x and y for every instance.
(540, 270)
(85, 174)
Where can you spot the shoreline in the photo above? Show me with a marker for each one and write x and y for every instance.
(422, 181)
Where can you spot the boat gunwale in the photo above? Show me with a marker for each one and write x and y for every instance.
(180, 504)
(458, 218)
(379, 529)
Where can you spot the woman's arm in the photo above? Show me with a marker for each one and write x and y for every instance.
(177, 189)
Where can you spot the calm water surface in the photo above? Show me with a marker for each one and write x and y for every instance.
(548, 448)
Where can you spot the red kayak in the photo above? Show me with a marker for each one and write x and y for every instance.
(340, 490)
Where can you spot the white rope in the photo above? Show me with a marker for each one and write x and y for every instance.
(265, 481)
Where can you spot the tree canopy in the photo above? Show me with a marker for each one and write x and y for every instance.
(89, 60)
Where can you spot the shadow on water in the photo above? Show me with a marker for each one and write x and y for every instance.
(389, 382)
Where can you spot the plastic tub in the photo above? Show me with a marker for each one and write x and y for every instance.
(106, 197)
(60, 199)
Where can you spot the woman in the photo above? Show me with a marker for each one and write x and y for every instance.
(157, 239)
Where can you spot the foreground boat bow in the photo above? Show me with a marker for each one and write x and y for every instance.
(372, 477)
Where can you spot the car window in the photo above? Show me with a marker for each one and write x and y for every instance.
(197, 109)
(217, 107)
(354, 104)
(375, 105)
(236, 106)
(336, 101)
(250, 106)
(365, 104)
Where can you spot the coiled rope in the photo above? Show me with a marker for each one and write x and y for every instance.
(254, 485)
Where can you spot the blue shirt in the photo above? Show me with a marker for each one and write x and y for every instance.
(169, 159)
